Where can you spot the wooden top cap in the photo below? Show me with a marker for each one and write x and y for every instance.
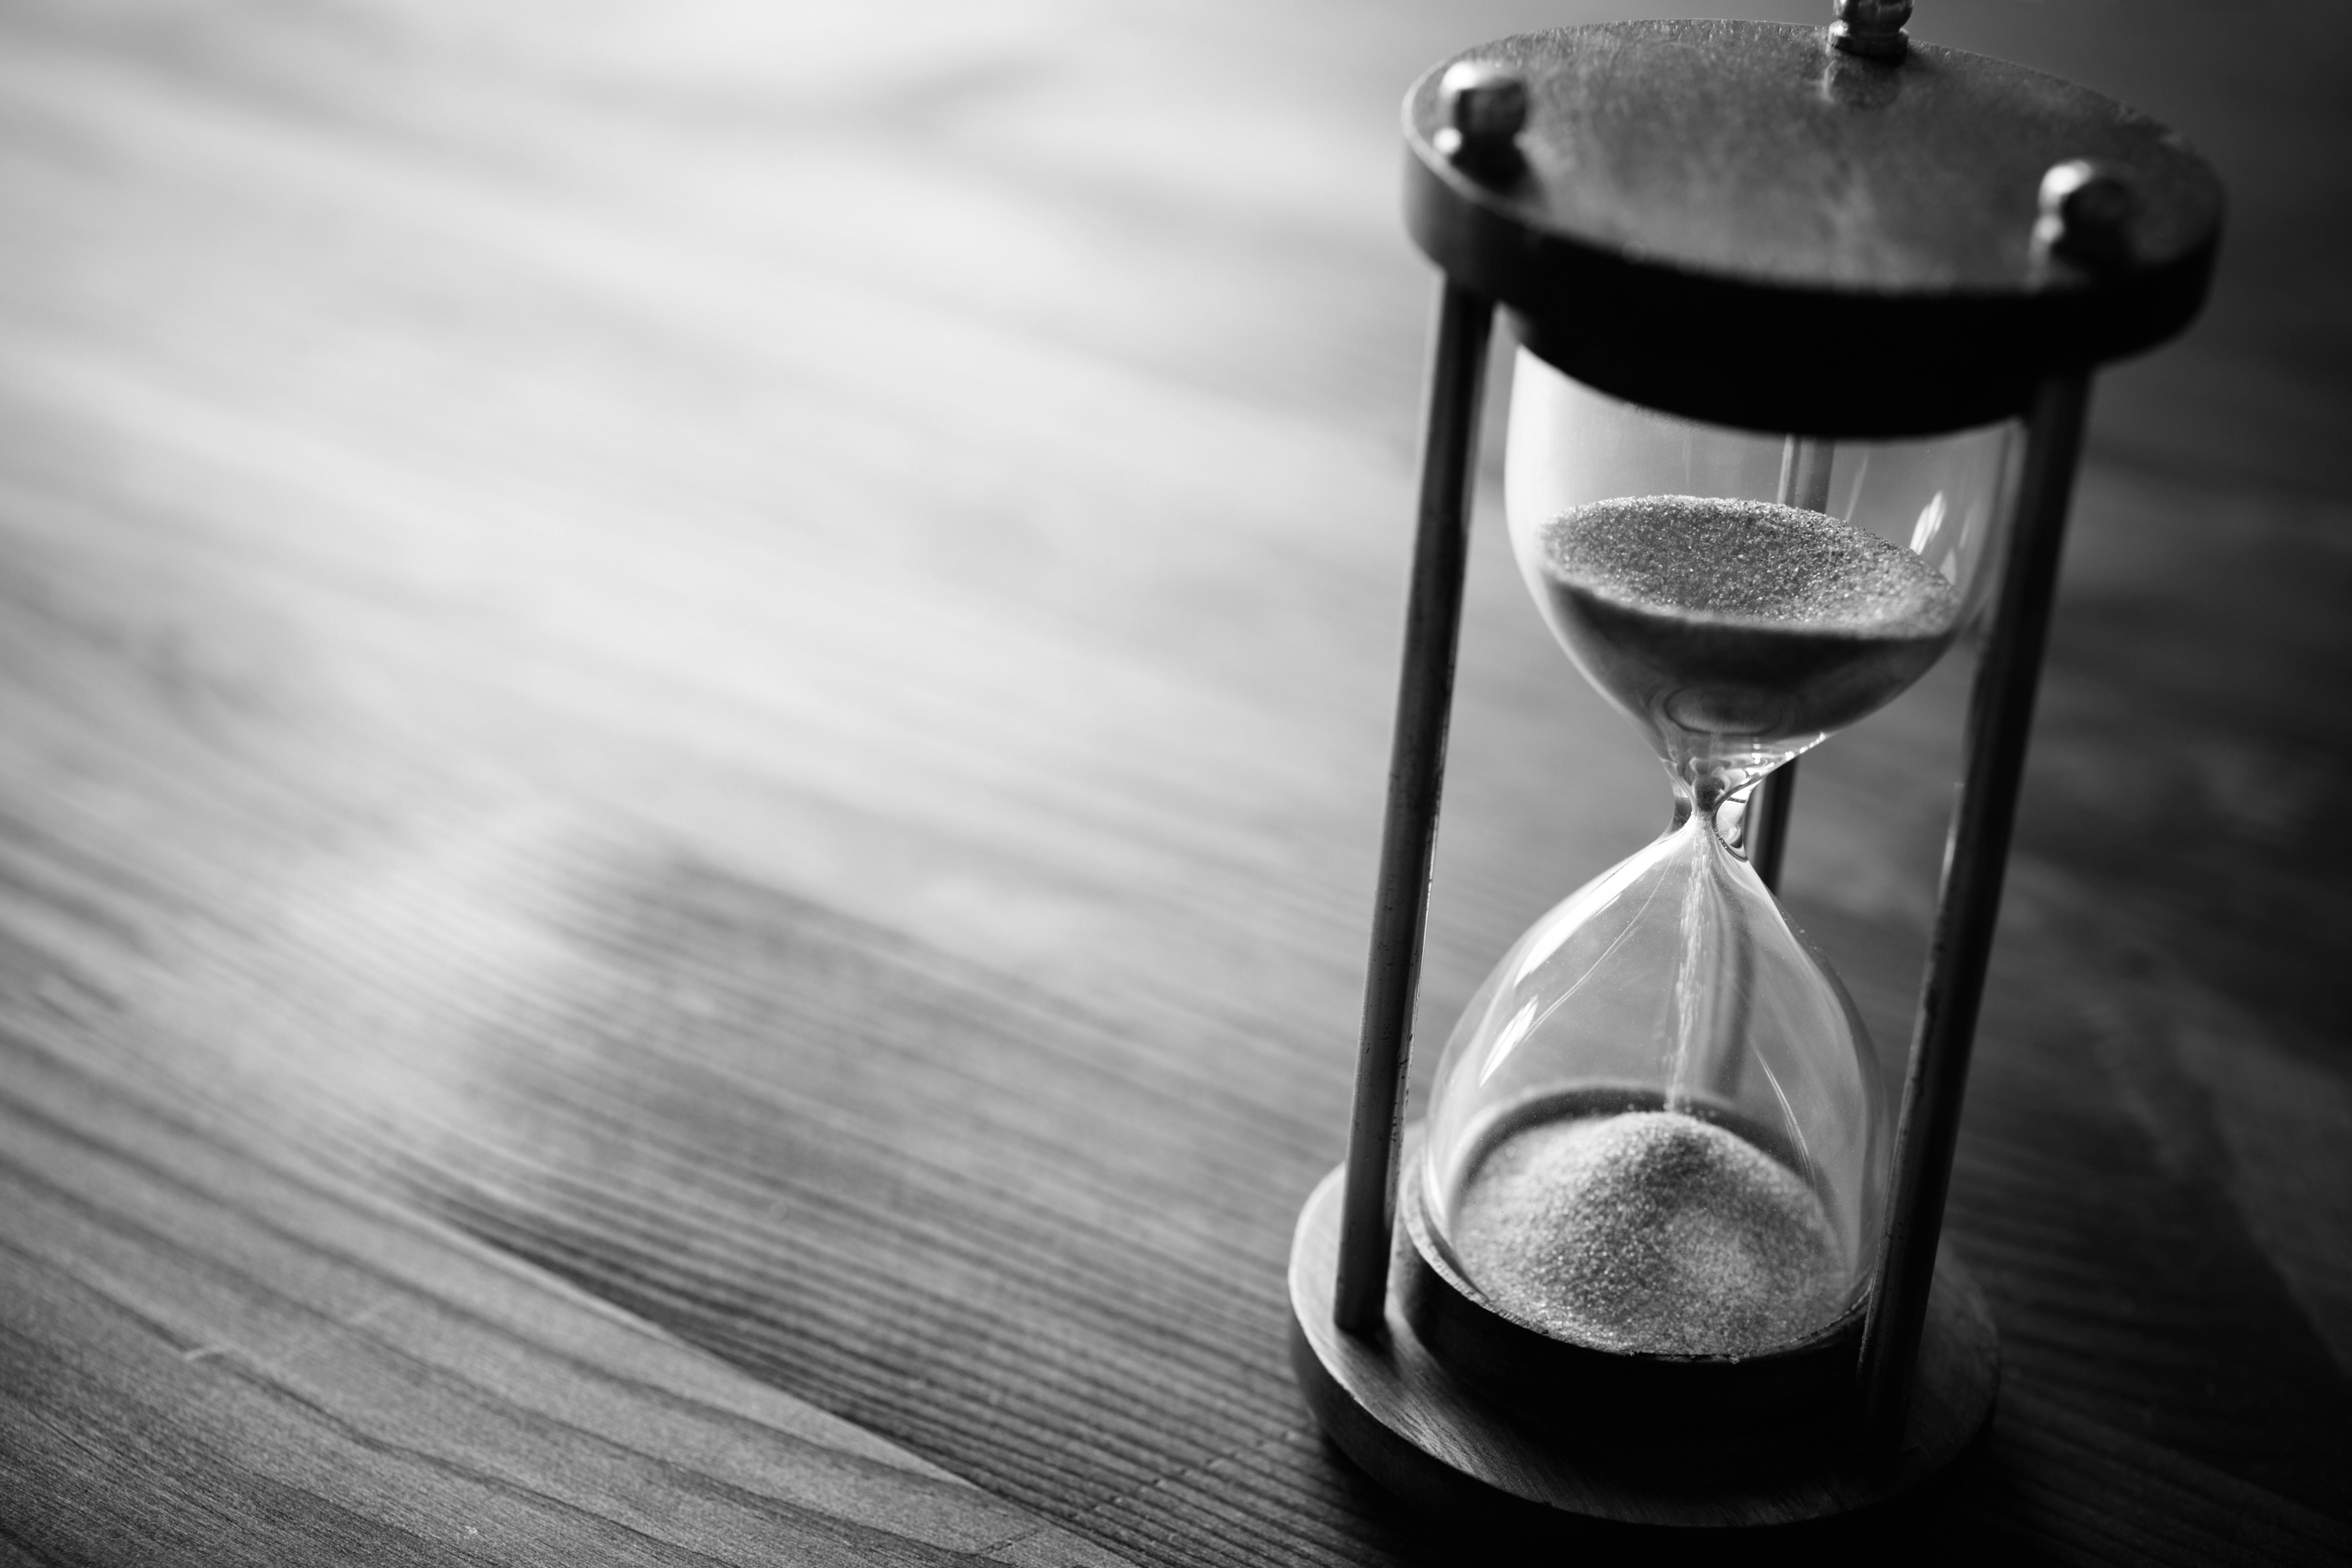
(1737, 222)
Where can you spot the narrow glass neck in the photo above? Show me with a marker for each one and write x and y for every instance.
(1709, 769)
(1721, 797)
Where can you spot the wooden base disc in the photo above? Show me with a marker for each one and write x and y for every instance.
(1427, 1437)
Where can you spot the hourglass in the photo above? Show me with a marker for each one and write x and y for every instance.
(1806, 321)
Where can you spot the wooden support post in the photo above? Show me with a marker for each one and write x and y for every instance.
(1449, 466)
(2000, 715)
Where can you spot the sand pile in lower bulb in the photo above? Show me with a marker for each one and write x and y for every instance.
(1648, 1231)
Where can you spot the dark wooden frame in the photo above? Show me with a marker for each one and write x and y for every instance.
(1567, 201)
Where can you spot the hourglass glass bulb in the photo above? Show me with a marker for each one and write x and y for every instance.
(1657, 1129)
(1720, 1212)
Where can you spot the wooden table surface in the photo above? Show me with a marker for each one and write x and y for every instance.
(692, 706)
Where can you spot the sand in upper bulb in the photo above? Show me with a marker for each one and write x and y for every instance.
(1648, 1230)
(1742, 617)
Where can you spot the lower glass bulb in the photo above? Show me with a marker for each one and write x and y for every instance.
(1658, 1126)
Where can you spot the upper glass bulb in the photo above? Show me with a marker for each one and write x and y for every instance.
(1741, 596)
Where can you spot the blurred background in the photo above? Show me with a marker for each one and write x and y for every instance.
(745, 650)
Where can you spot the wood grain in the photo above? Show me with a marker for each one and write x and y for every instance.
(733, 661)
(208, 1357)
